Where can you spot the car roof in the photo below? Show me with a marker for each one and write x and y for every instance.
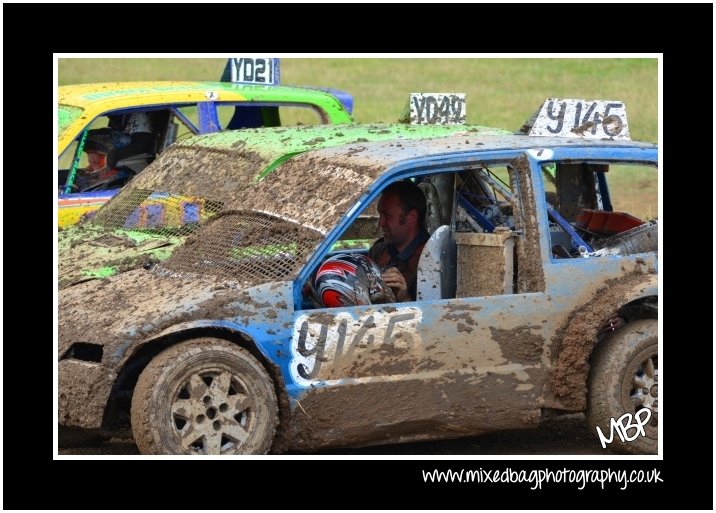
(291, 139)
(129, 94)
(80, 103)
(387, 154)
(268, 148)
(311, 189)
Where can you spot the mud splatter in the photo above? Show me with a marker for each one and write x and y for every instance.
(247, 247)
(321, 318)
(482, 260)
(463, 328)
(465, 316)
(483, 273)
(183, 171)
(311, 191)
(575, 341)
(586, 127)
(462, 307)
(83, 389)
(530, 275)
(520, 344)
(121, 302)
(123, 312)
(389, 360)
(377, 413)
(200, 171)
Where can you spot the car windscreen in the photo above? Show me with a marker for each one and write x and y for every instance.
(310, 191)
(246, 246)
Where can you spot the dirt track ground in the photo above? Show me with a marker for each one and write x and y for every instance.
(565, 435)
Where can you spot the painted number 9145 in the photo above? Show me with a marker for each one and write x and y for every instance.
(598, 119)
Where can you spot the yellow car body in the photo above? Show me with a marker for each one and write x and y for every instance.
(195, 105)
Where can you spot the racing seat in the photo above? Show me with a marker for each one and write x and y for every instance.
(437, 266)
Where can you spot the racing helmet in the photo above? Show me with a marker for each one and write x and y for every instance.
(105, 140)
(350, 280)
(98, 141)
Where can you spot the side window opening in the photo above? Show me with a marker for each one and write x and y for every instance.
(587, 218)
(238, 116)
(485, 200)
(471, 250)
(294, 115)
(127, 152)
(361, 233)
(185, 119)
(485, 232)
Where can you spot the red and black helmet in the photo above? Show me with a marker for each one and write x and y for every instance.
(349, 280)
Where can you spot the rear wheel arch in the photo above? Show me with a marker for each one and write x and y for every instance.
(623, 379)
(628, 300)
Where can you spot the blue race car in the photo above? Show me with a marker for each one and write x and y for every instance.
(534, 296)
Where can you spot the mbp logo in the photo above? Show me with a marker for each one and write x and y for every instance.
(623, 425)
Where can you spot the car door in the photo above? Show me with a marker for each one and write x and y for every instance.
(599, 249)
(465, 364)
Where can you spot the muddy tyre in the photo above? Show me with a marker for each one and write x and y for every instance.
(624, 379)
(205, 396)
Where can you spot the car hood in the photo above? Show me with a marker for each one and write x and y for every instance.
(90, 251)
(121, 312)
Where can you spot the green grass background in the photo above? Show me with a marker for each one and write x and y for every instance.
(501, 92)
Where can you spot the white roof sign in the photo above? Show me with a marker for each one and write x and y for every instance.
(437, 108)
(589, 119)
(261, 71)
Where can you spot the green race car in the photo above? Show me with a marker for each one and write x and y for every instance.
(170, 110)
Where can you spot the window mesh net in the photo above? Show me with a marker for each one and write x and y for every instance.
(246, 246)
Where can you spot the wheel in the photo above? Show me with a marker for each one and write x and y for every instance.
(624, 379)
(204, 396)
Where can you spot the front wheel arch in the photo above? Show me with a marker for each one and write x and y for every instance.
(116, 419)
(204, 396)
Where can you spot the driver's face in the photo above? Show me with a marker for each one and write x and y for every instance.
(393, 221)
(96, 160)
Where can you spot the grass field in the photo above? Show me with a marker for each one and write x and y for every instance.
(501, 92)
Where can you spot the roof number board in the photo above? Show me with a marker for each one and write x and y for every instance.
(437, 108)
(598, 119)
(260, 71)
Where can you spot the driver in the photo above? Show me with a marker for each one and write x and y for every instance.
(402, 219)
(97, 170)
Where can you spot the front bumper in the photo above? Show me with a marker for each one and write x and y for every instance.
(83, 391)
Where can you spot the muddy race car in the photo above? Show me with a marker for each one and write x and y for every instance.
(197, 178)
(171, 110)
(534, 297)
